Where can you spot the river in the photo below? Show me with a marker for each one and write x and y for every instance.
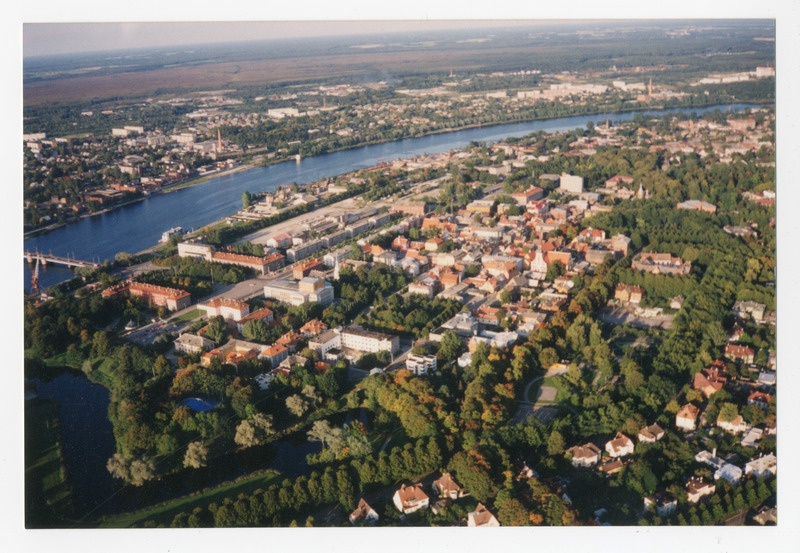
(138, 226)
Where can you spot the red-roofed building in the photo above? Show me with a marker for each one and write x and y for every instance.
(737, 352)
(227, 308)
(409, 499)
(171, 298)
(710, 381)
(264, 314)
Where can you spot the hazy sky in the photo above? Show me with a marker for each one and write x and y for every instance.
(58, 38)
(64, 27)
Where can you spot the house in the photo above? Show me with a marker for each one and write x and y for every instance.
(686, 419)
(759, 399)
(421, 364)
(409, 499)
(760, 467)
(313, 328)
(663, 502)
(364, 513)
(650, 434)
(738, 352)
(192, 343)
(766, 515)
(171, 298)
(275, 354)
(697, 488)
(620, 446)
(610, 467)
(710, 380)
(728, 472)
(629, 293)
(735, 426)
(481, 518)
(232, 353)
(447, 487)
(586, 455)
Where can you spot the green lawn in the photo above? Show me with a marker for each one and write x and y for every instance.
(47, 494)
(163, 513)
(188, 316)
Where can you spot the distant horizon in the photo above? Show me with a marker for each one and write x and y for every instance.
(64, 39)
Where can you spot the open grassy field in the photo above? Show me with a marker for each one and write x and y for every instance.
(47, 495)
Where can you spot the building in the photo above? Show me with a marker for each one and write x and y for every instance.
(586, 455)
(357, 338)
(697, 205)
(686, 419)
(264, 315)
(650, 434)
(570, 184)
(629, 293)
(447, 487)
(421, 364)
(161, 296)
(275, 354)
(481, 518)
(710, 381)
(364, 513)
(409, 499)
(660, 263)
(620, 446)
(663, 502)
(307, 290)
(192, 343)
(227, 308)
(737, 352)
(766, 465)
(697, 488)
(232, 353)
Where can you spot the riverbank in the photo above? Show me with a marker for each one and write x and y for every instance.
(261, 161)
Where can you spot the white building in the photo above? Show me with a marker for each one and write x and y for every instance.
(762, 466)
(570, 183)
(307, 290)
(421, 364)
(227, 308)
(357, 338)
(192, 343)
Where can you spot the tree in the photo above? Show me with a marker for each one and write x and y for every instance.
(196, 455)
(254, 431)
(246, 199)
(296, 405)
(217, 330)
(555, 443)
(555, 270)
(450, 346)
(256, 331)
(728, 412)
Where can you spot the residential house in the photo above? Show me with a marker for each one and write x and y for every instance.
(664, 503)
(729, 472)
(738, 352)
(481, 517)
(762, 466)
(447, 487)
(409, 499)
(421, 364)
(697, 488)
(710, 381)
(759, 399)
(735, 426)
(650, 434)
(313, 328)
(586, 455)
(629, 293)
(363, 513)
(612, 466)
(686, 419)
(660, 263)
(620, 446)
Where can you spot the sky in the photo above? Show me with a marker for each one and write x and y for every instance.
(50, 27)
(61, 38)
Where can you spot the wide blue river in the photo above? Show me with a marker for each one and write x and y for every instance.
(139, 226)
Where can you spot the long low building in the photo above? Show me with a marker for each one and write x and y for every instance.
(307, 290)
(171, 298)
(354, 338)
